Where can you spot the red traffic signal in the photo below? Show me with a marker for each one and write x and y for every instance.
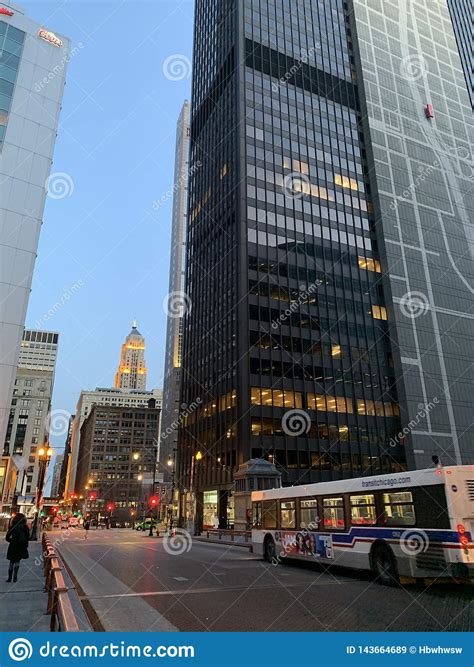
(93, 496)
(154, 500)
(110, 507)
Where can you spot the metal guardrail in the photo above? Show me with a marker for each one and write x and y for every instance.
(226, 534)
(63, 618)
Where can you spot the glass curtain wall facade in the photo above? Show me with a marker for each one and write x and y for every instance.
(174, 330)
(286, 343)
(11, 41)
(462, 15)
(418, 124)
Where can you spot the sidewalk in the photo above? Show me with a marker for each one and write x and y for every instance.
(23, 605)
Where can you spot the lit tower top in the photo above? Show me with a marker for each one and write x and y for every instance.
(131, 373)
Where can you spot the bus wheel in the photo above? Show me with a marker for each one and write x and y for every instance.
(269, 550)
(384, 566)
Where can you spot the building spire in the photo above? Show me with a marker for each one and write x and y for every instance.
(132, 371)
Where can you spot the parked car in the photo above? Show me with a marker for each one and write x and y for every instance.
(145, 525)
(120, 524)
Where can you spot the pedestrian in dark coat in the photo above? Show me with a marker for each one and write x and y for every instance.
(18, 537)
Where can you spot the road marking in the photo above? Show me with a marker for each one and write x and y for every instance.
(180, 579)
(199, 591)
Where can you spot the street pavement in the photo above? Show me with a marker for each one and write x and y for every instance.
(23, 605)
(129, 581)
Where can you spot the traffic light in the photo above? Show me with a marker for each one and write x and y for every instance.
(93, 496)
(110, 507)
(154, 500)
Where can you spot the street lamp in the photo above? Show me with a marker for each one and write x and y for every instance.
(193, 485)
(172, 465)
(44, 457)
(155, 456)
(140, 492)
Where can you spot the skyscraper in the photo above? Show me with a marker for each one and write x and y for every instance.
(462, 15)
(56, 478)
(33, 64)
(29, 418)
(133, 398)
(326, 243)
(174, 332)
(131, 373)
(116, 467)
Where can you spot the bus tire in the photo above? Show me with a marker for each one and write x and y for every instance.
(384, 565)
(269, 549)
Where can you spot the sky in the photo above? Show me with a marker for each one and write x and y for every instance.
(103, 256)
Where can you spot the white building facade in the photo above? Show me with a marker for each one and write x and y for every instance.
(174, 331)
(33, 62)
(29, 415)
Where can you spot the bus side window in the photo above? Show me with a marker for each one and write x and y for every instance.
(256, 515)
(309, 513)
(399, 509)
(269, 514)
(363, 510)
(333, 513)
(288, 514)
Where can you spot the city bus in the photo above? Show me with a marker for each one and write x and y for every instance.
(415, 524)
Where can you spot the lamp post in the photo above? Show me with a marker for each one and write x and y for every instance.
(193, 505)
(135, 459)
(44, 457)
(172, 464)
(140, 493)
(155, 457)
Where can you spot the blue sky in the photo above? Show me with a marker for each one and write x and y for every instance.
(104, 251)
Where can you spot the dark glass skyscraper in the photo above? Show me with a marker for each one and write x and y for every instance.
(462, 14)
(296, 340)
